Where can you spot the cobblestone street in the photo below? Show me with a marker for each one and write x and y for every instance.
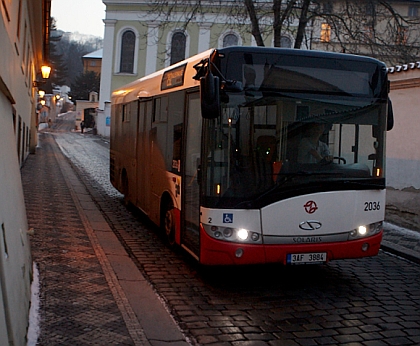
(371, 301)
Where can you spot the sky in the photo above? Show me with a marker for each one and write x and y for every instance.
(83, 16)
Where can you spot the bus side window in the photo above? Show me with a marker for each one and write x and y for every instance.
(176, 151)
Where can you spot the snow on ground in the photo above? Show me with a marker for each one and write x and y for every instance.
(33, 330)
(403, 231)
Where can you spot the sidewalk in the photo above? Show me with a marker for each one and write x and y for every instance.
(91, 292)
(402, 226)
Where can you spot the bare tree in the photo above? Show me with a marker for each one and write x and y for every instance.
(369, 27)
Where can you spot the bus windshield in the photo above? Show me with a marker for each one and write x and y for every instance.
(294, 130)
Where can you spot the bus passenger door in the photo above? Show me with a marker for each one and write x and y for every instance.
(142, 154)
(190, 229)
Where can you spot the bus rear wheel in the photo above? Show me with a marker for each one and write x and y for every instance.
(168, 223)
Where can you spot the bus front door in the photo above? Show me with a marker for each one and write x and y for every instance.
(190, 230)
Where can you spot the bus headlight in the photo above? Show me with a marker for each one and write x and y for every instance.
(242, 234)
(362, 230)
(237, 235)
(365, 230)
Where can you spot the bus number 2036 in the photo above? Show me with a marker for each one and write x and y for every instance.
(372, 206)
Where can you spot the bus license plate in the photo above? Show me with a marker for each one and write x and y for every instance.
(304, 258)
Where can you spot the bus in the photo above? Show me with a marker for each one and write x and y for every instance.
(212, 150)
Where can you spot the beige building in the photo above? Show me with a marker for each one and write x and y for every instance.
(93, 61)
(403, 141)
(138, 41)
(141, 38)
(24, 39)
(86, 111)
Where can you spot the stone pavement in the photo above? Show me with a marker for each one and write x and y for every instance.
(91, 293)
(402, 226)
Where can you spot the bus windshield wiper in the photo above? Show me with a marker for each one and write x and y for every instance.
(361, 183)
(286, 178)
(289, 176)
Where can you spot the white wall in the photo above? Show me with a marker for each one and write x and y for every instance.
(15, 261)
(403, 141)
(21, 45)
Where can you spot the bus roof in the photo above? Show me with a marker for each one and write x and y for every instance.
(165, 80)
(151, 85)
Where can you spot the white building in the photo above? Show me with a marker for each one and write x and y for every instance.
(403, 141)
(24, 37)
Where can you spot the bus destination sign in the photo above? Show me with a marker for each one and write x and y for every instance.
(173, 78)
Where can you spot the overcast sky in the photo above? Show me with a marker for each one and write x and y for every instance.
(83, 16)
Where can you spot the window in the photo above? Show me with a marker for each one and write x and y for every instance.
(128, 43)
(285, 42)
(126, 113)
(370, 9)
(178, 44)
(413, 11)
(327, 7)
(19, 17)
(230, 40)
(325, 32)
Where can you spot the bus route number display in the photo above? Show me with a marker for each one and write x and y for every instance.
(173, 78)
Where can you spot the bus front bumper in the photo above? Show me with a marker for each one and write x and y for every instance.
(216, 252)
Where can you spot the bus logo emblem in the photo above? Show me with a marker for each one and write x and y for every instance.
(310, 207)
(227, 218)
(311, 225)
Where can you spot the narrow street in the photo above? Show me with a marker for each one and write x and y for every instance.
(371, 301)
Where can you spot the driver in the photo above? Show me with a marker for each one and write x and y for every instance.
(311, 149)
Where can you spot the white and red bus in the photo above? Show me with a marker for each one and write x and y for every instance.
(212, 149)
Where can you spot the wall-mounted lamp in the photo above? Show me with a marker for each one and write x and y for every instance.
(45, 74)
(41, 93)
(45, 71)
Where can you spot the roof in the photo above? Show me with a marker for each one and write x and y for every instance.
(404, 67)
(97, 54)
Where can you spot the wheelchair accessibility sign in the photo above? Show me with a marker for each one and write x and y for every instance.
(227, 218)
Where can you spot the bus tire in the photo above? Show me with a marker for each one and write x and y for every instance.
(167, 222)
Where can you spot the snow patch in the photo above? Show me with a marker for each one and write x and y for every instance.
(401, 230)
(33, 330)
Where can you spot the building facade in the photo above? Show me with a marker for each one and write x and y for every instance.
(24, 37)
(138, 41)
(403, 141)
(92, 61)
(140, 37)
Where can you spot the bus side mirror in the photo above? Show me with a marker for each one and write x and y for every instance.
(210, 96)
(390, 120)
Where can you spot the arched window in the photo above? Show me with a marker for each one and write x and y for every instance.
(230, 40)
(128, 44)
(178, 47)
(285, 42)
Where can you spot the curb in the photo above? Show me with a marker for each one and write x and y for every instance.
(400, 251)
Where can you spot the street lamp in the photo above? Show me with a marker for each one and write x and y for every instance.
(45, 71)
(45, 74)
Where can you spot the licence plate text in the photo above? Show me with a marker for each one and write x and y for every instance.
(303, 258)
